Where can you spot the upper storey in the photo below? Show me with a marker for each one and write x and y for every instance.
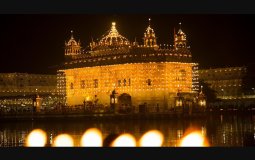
(113, 48)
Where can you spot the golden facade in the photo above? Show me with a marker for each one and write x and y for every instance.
(149, 73)
(146, 82)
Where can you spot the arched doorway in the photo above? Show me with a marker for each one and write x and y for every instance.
(125, 103)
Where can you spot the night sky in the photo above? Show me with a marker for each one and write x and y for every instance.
(35, 43)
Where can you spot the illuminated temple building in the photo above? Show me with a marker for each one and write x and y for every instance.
(136, 74)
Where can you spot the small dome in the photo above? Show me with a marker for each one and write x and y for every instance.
(72, 47)
(180, 33)
(72, 41)
(150, 37)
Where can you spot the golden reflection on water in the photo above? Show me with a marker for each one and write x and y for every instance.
(63, 140)
(36, 138)
(232, 131)
(92, 138)
(124, 140)
(194, 139)
(153, 138)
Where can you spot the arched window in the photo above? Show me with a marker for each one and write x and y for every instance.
(182, 75)
(119, 83)
(124, 82)
(149, 82)
(71, 86)
(96, 83)
(82, 84)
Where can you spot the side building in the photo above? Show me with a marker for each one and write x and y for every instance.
(231, 83)
(21, 88)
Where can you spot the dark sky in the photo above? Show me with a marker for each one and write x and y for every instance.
(34, 43)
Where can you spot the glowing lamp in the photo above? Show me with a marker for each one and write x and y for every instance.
(124, 140)
(36, 138)
(63, 140)
(152, 138)
(194, 139)
(178, 102)
(92, 138)
(202, 103)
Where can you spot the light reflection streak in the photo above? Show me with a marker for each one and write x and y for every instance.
(93, 138)
(194, 138)
(153, 138)
(36, 138)
(63, 140)
(124, 140)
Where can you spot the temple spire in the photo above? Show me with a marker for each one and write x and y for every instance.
(174, 37)
(113, 28)
(92, 40)
(180, 40)
(201, 92)
(92, 43)
(150, 37)
(135, 42)
(72, 47)
(72, 34)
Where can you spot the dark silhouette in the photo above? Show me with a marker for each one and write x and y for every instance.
(209, 93)
(109, 139)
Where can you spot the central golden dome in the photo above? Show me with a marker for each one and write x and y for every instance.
(113, 38)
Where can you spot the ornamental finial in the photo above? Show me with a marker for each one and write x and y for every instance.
(72, 34)
(201, 89)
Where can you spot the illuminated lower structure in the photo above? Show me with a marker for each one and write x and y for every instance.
(151, 75)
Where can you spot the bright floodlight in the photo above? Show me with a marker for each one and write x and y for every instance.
(63, 140)
(152, 138)
(92, 138)
(194, 139)
(36, 138)
(124, 140)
